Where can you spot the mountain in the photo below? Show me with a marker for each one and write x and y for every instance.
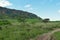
(16, 14)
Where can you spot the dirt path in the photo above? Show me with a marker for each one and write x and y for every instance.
(47, 36)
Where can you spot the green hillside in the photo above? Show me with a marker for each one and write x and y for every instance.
(16, 14)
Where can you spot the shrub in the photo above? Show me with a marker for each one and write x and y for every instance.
(4, 22)
(46, 20)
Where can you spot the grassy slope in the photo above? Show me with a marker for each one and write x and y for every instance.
(25, 31)
(57, 35)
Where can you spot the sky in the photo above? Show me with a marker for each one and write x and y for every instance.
(42, 8)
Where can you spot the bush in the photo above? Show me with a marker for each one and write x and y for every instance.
(4, 22)
(46, 20)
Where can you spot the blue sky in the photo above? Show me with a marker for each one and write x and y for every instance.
(43, 8)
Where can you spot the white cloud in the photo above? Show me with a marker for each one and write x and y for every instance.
(5, 3)
(28, 7)
(58, 11)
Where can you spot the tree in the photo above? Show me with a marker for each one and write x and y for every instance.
(46, 20)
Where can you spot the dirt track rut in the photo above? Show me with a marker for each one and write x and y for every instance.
(47, 36)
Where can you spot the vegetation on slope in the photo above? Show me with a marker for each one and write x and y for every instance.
(16, 14)
(57, 35)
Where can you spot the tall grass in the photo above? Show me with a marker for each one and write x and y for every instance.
(25, 31)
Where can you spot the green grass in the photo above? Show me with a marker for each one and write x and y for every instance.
(57, 35)
(26, 30)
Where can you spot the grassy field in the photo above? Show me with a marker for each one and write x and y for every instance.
(15, 30)
(57, 35)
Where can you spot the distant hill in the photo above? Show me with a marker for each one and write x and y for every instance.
(16, 14)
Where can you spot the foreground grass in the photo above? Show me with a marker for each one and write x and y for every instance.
(57, 35)
(25, 31)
